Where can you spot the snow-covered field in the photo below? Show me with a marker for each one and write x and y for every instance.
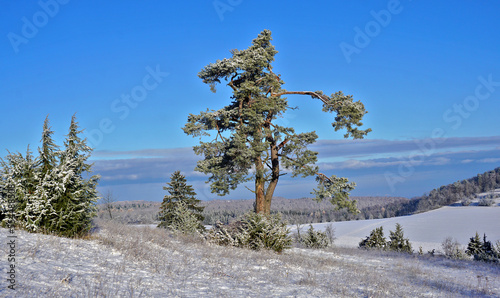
(427, 229)
(124, 261)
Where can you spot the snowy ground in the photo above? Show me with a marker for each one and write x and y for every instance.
(124, 261)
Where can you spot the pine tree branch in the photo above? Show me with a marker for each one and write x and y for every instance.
(231, 83)
(253, 191)
(323, 98)
(282, 144)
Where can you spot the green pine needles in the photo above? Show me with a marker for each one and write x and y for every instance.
(54, 191)
(247, 144)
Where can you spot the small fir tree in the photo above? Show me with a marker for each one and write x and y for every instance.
(315, 239)
(179, 191)
(489, 253)
(376, 240)
(397, 241)
(482, 250)
(475, 245)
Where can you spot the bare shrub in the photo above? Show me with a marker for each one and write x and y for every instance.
(486, 202)
(466, 202)
(452, 249)
(330, 233)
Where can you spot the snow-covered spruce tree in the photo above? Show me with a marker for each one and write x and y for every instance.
(48, 187)
(52, 192)
(19, 175)
(170, 209)
(74, 203)
(265, 231)
(49, 152)
(248, 144)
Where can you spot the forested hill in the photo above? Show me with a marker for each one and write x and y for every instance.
(449, 194)
(304, 210)
(309, 211)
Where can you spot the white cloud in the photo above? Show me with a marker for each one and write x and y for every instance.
(489, 160)
(144, 168)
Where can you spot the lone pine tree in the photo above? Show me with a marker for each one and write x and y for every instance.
(248, 144)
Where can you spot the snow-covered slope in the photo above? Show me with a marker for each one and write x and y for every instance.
(123, 261)
(427, 229)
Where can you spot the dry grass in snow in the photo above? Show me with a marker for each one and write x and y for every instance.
(125, 261)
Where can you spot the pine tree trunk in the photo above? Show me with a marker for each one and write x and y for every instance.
(259, 187)
(275, 174)
(259, 196)
(263, 199)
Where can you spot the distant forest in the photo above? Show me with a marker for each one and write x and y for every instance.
(449, 194)
(306, 210)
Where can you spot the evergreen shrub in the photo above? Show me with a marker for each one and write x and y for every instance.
(314, 239)
(397, 242)
(483, 250)
(376, 240)
(255, 231)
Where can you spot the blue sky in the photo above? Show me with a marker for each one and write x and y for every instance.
(427, 72)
